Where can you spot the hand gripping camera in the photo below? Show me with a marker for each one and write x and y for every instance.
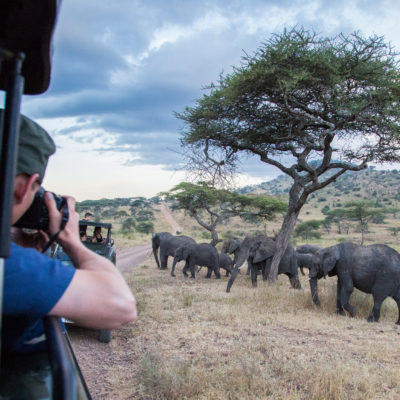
(37, 215)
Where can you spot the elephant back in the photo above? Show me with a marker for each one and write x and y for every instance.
(178, 241)
(308, 248)
(206, 255)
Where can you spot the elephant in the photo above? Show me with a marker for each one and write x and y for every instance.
(225, 262)
(304, 261)
(304, 255)
(308, 248)
(259, 250)
(372, 269)
(232, 246)
(167, 243)
(202, 254)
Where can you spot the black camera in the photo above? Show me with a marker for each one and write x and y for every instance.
(37, 215)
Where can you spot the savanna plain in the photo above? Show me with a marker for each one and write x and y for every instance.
(192, 340)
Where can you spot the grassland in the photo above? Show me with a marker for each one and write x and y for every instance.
(192, 340)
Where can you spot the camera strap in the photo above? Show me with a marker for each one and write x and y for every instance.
(64, 220)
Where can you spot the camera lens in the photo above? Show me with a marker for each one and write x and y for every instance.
(37, 215)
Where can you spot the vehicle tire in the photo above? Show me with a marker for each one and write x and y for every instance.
(105, 336)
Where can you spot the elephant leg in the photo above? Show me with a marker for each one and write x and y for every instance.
(192, 266)
(376, 309)
(216, 271)
(253, 274)
(173, 267)
(266, 269)
(345, 293)
(397, 300)
(339, 306)
(185, 268)
(163, 259)
(295, 282)
(209, 272)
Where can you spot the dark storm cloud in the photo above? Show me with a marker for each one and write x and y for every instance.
(123, 68)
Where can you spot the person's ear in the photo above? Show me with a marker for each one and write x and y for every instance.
(24, 184)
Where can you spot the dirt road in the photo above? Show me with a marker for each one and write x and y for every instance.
(175, 227)
(132, 256)
(96, 358)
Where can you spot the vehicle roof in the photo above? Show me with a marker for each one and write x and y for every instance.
(95, 223)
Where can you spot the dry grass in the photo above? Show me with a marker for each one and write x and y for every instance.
(194, 341)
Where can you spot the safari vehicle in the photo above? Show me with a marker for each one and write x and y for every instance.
(26, 28)
(105, 249)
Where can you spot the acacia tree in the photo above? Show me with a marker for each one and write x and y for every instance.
(308, 229)
(210, 206)
(301, 98)
(361, 211)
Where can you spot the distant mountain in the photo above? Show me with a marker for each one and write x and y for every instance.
(383, 186)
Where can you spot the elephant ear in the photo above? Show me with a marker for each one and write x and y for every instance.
(233, 246)
(328, 262)
(265, 250)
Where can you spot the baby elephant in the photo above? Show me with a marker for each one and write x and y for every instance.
(226, 263)
(305, 254)
(203, 255)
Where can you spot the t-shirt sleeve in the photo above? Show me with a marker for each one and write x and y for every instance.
(33, 283)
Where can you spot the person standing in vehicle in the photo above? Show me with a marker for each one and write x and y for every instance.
(83, 228)
(93, 294)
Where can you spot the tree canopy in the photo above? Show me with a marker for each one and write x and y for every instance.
(300, 98)
(210, 206)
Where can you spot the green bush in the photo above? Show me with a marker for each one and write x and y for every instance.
(128, 225)
(206, 235)
(145, 227)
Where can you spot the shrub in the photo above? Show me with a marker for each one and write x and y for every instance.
(145, 227)
(129, 224)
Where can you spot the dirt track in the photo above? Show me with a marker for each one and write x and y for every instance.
(132, 256)
(96, 358)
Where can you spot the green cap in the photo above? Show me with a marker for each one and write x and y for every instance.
(35, 146)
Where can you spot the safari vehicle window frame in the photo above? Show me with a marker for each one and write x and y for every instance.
(67, 379)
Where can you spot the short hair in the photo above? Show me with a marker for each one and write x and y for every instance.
(88, 214)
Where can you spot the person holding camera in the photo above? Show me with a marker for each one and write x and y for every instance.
(93, 294)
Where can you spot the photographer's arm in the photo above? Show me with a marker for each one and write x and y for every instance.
(98, 296)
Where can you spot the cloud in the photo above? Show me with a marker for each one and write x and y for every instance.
(121, 69)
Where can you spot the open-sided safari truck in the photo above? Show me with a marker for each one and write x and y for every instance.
(104, 248)
(26, 28)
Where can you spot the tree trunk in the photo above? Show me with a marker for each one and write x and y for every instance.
(282, 242)
(214, 235)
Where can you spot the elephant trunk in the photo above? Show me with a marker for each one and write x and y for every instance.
(314, 290)
(232, 278)
(156, 257)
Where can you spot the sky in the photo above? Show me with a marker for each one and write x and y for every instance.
(121, 69)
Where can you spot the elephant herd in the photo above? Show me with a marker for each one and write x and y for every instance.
(373, 269)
